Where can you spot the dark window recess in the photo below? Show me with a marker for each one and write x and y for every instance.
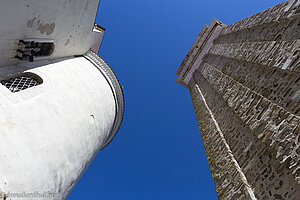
(30, 49)
(21, 82)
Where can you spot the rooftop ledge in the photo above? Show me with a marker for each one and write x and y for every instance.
(200, 47)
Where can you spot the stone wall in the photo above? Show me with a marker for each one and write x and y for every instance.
(246, 94)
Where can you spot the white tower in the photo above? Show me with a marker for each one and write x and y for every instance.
(60, 103)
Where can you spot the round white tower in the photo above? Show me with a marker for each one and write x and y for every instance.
(49, 133)
(60, 103)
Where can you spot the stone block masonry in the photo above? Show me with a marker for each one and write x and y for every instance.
(244, 81)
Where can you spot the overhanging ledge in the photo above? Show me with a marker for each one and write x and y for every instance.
(201, 47)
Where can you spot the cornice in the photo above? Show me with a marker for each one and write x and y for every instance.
(201, 47)
(111, 77)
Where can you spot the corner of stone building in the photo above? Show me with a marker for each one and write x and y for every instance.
(199, 49)
(245, 92)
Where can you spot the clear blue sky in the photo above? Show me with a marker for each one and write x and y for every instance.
(158, 152)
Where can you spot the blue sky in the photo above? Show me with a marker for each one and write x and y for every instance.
(158, 152)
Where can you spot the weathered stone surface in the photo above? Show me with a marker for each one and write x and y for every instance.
(246, 94)
(230, 181)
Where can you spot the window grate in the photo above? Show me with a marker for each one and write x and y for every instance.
(19, 83)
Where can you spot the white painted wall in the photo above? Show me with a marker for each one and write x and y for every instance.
(67, 23)
(50, 133)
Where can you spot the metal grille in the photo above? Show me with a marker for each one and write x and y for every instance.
(19, 83)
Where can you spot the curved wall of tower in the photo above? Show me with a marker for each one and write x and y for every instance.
(50, 133)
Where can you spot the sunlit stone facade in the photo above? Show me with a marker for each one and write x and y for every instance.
(244, 81)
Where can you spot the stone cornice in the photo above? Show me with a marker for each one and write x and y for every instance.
(194, 57)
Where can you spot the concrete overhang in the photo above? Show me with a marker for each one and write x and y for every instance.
(70, 25)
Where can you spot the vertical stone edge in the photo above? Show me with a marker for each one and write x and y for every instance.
(231, 183)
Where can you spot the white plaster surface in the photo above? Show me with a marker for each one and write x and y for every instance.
(69, 24)
(51, 133)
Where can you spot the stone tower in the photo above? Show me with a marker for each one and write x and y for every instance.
(244, 81)
(60, 103)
